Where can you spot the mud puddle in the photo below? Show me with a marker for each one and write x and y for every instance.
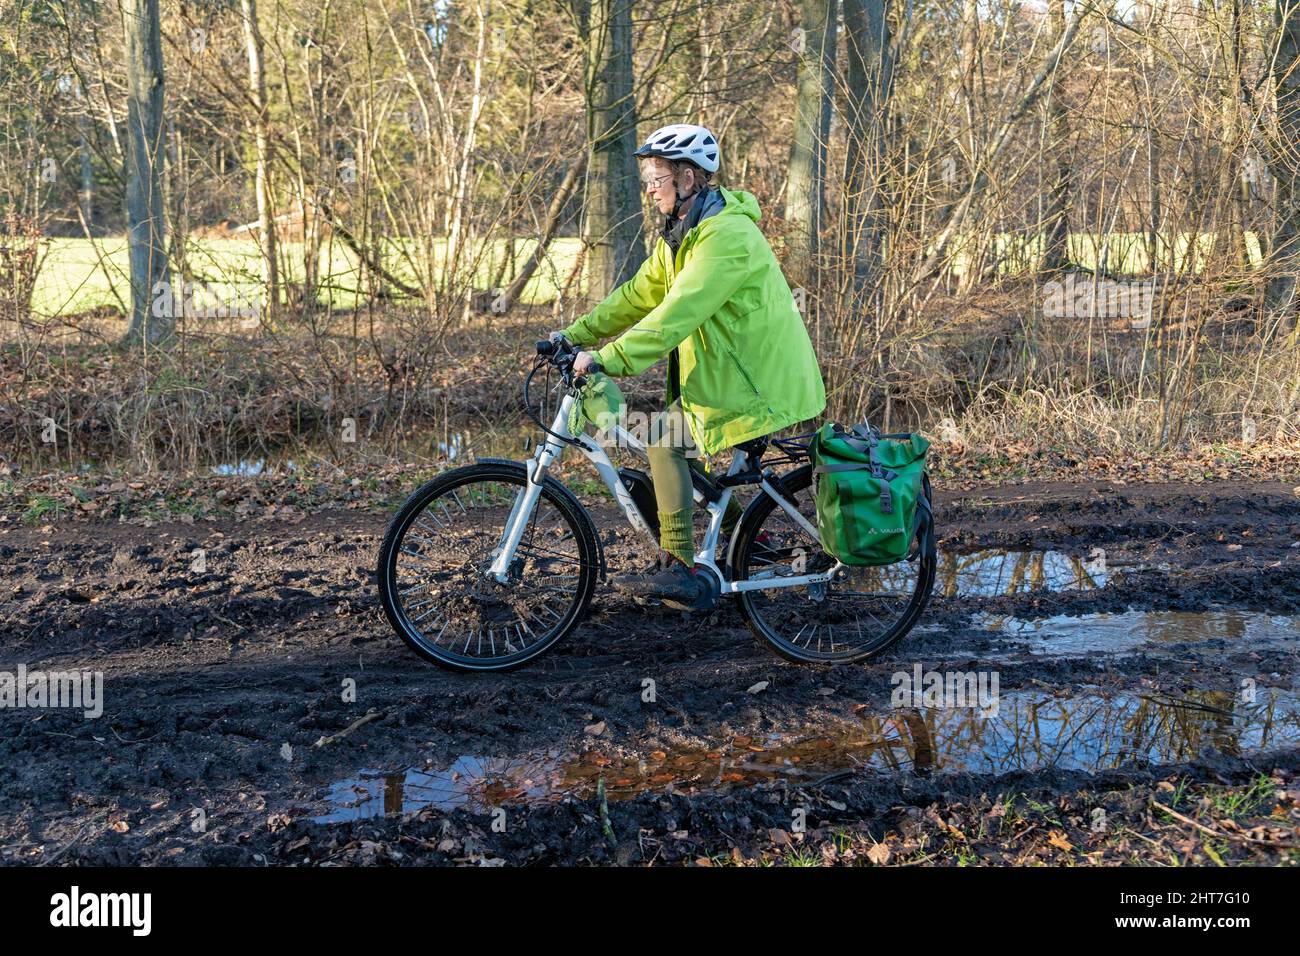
(1001, 572)
(1127, 632)
(1017, 731)
(209, 674)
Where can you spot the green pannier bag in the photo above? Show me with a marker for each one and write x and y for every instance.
(872, 494)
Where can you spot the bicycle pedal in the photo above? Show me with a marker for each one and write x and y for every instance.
(707, 601)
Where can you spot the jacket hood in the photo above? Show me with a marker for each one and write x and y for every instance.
(741, 202)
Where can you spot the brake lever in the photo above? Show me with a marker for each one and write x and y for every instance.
(581, 380)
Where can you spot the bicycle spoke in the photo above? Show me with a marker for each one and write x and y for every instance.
(449, 601)
(846, 618)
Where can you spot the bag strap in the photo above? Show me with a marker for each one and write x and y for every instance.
(883, 477)
(924, 513)
(884, 473)
(866, 440)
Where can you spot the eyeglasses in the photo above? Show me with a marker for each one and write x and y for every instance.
(656, 182)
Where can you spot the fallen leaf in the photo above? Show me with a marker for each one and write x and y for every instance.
(1058, 840)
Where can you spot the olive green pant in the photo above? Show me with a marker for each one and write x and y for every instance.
(672, 455)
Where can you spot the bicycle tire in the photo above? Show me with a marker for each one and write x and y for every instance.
(574, 516)
(751, 526)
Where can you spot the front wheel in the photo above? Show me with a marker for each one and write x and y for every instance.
(433, 562)
(851, 618)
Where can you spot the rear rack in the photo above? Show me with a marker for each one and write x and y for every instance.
(794, 449)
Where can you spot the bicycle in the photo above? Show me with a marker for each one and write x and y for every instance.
(489, 565)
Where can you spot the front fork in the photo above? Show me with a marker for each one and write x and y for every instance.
(522, 510)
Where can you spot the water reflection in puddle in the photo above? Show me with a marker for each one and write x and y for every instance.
(452, 446)
(252, 467)
(995, 572)
(1131, 630)
(1028, 732)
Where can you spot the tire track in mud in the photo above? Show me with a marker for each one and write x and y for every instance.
(211, 669)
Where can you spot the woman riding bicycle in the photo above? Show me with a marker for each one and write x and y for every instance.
(711, 299)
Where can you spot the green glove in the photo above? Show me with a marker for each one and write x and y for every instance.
(600, 403)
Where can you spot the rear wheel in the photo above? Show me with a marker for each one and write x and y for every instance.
(433, 563)
(851, 618)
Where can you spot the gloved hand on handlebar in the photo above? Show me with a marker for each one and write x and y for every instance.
(583, 363)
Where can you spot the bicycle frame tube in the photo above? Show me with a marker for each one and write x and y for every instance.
(549, 451)
(609, 475)
(522, 510)
(768, 584)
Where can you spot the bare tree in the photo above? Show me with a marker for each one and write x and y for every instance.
(870, 76)
(145, 156)
(613, 197)
(1056, 211)
(1286, 158)
(805, 197)
(262, 182)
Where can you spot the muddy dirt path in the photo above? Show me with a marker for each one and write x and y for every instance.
(1135, 632)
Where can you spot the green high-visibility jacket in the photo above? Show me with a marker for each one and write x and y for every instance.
(747, 366)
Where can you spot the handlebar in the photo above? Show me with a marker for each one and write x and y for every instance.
(559, 355)
(562, 354)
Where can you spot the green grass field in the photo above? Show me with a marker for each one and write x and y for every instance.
(1124, 253)
(80, 274)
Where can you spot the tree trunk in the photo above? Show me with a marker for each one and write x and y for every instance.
(458, 227)
(613, 200)
(870, 70)
(1056, 215)
(265, 208)
(1286, 161)
(150, 277)
(805, 188)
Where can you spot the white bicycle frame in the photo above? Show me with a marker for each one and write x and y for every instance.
(550, 450)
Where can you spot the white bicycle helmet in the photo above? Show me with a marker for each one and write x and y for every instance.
(683, 141)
